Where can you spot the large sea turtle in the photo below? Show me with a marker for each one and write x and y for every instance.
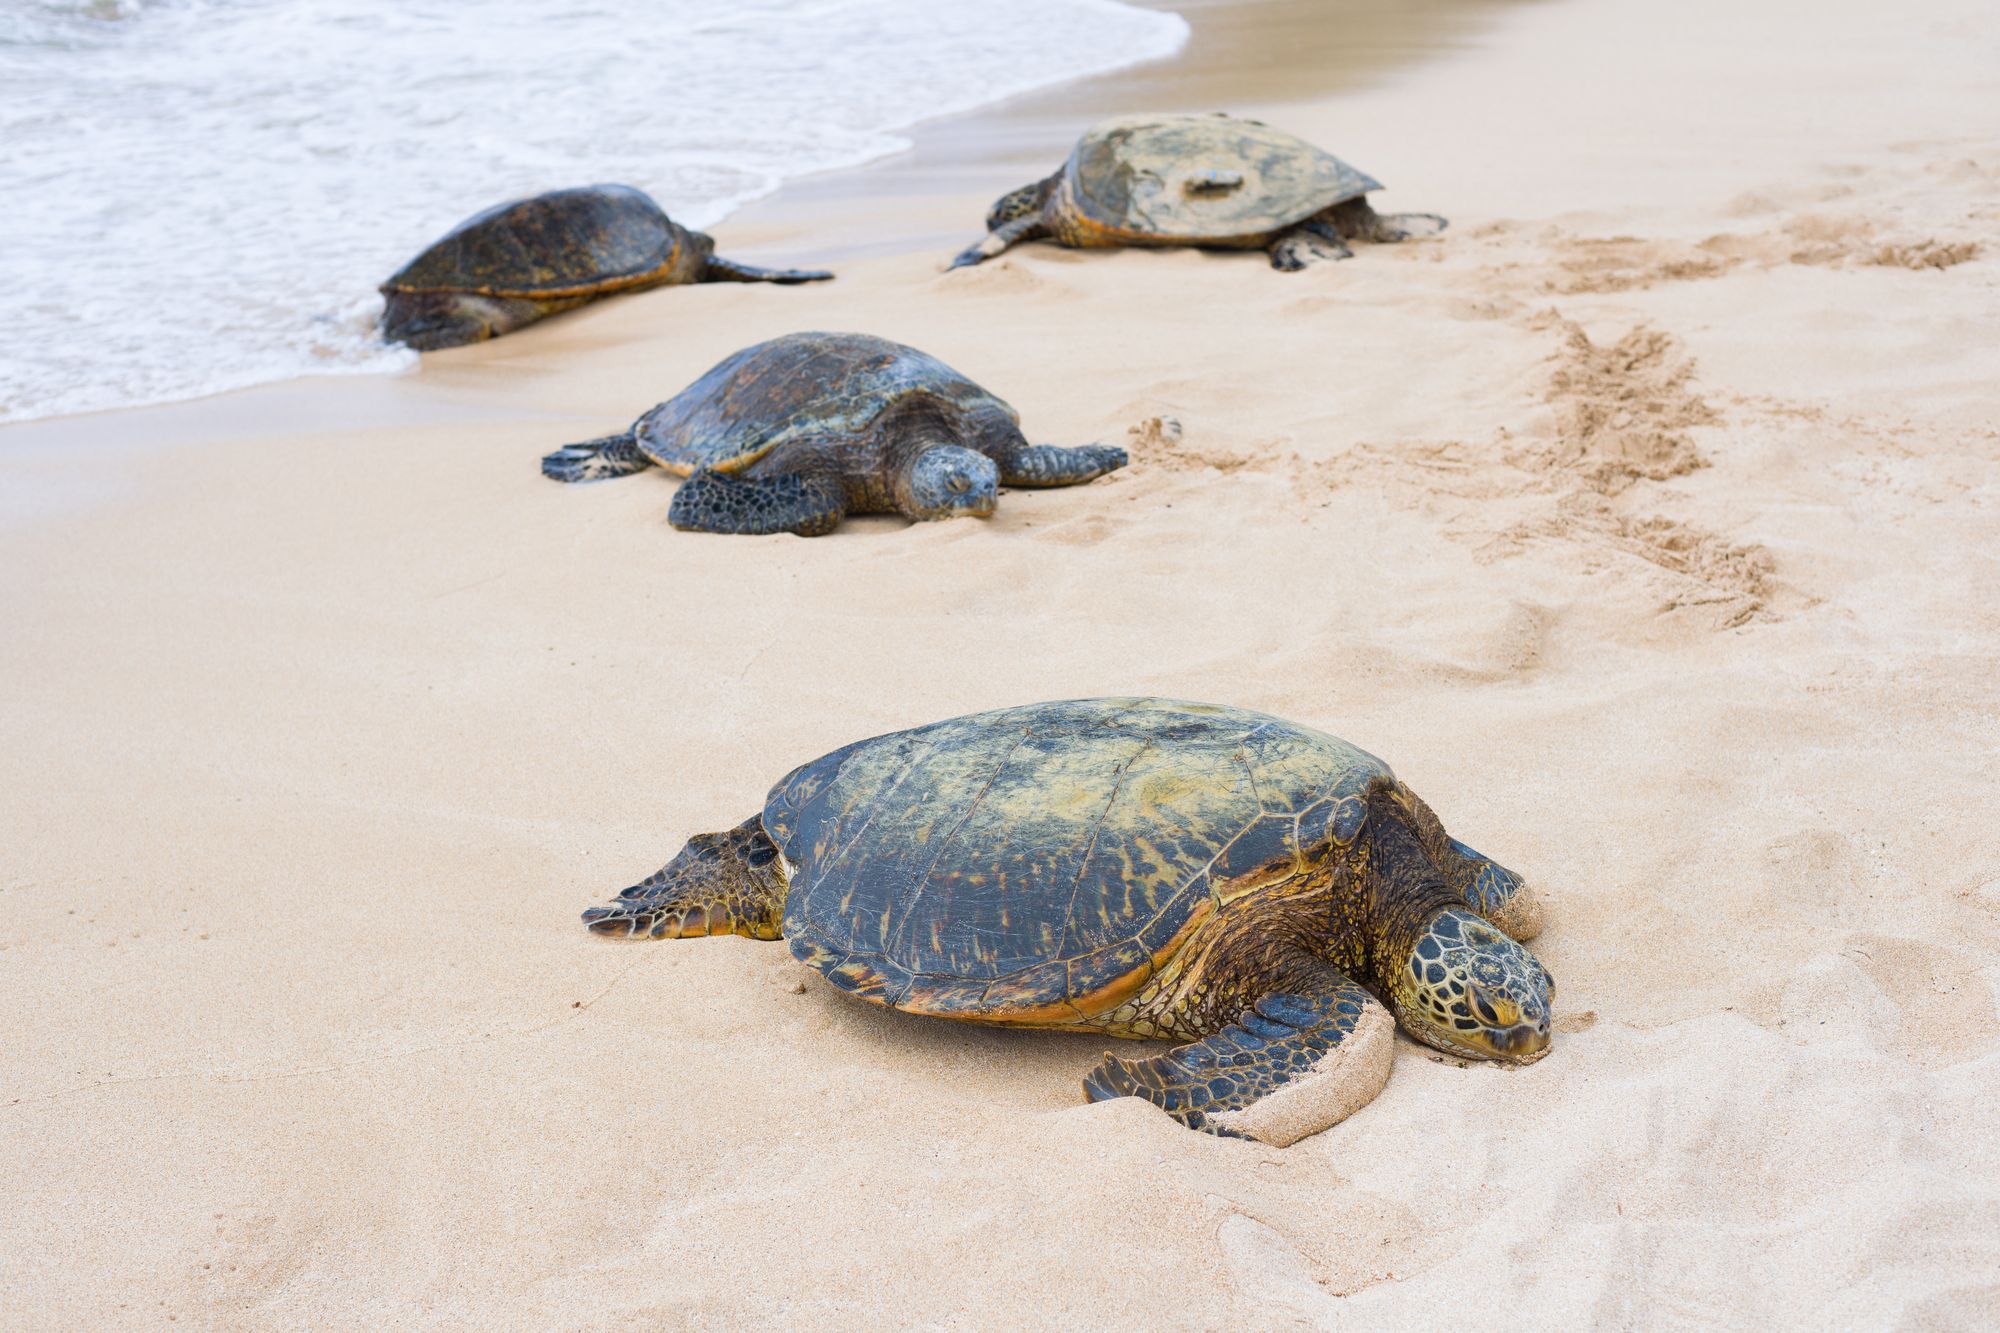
(793, 434)
(520, 261)
(1214, 181)
(1140, 868)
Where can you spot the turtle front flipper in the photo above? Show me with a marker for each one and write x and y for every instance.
(1010, 233)
(712, 501)
(1497, 893)
(721, 884)
(1292, 1065)
(596, 460)
(1056, 465)
(719, 269)
(1308, 243)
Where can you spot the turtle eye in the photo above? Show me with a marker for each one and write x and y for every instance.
(959, 483)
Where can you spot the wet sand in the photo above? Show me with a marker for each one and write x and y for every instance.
(1644, 522)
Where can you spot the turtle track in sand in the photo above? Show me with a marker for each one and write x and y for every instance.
(1617, 421)
(1923, 215)
(1622, 415)
(1619, 415)
(1585, 463)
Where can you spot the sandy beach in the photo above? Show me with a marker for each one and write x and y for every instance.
(1648, 523)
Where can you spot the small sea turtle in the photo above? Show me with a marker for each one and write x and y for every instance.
(518, 262)
(1140, 868)
(1213, 181)
(793, 434)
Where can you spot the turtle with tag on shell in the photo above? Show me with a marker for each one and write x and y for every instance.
(527, 259)
(1217, 182)
(794, 434)
(1136, 867)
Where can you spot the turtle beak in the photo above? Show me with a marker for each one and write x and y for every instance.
(1523, 1041)
(1513, 1031)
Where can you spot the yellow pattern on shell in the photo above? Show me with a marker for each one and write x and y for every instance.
(1140, 179)
(1039, 864)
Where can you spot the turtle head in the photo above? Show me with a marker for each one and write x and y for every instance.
(1469, 989)
(428, 321)
(1021, 203)
(950, 481)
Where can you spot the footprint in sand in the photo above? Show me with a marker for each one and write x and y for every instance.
(1269, 1271)
(1520, 647)
(1006, 278)
(1088, 530)
(253, 1257)
(1941, 993)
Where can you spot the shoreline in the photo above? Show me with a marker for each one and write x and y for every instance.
(1240, 53)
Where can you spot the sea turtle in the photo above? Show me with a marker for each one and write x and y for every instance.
(793, 434)
(1215, 181)
(520, 261)
(1140, 868)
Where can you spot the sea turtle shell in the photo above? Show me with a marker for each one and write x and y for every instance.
(1202, 180)
(1036, 864)
(588, 241)
(799, 387)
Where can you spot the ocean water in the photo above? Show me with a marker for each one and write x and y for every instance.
(202, 194)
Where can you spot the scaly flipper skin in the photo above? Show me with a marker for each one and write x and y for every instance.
(719, 269)
(710, 501)
(1388, 228)
(1308, 243)
(1357, 220)
(997, 240)
(596, 460)
(1057, 465)
(1498, 894)
(1292, 1065)
(721, 884)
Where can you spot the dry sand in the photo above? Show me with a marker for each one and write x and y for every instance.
(1647, 523)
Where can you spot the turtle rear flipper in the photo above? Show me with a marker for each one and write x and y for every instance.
(719, 269)
(1391, 227)
(1291, 1066)
(712, 501)
(596, 460)
(1358, 219)
(721, 884)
